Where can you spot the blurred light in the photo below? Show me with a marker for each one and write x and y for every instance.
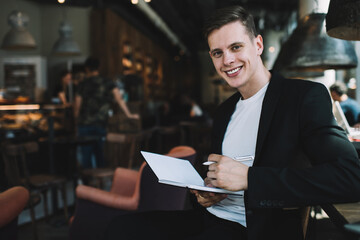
(20, 107)
(181, 52)
(177, 58)
(271, 49)
(134, 1)
(147, 1)
(61, 1)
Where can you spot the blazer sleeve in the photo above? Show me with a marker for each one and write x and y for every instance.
(334, 176)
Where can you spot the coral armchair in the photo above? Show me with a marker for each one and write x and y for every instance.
(12, 202)
(131, 191)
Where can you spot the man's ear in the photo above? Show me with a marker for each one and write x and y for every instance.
(259, 44)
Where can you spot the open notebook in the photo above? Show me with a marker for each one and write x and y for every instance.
(341, 120)
(179, 172)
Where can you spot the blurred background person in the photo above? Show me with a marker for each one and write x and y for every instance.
(65, 90)
(350, 107)
(92, 104)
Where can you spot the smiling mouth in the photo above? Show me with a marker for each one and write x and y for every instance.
(233, 71)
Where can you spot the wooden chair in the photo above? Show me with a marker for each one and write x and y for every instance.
(117, 144)
(16, 158)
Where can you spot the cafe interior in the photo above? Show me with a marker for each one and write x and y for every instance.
(155, 54)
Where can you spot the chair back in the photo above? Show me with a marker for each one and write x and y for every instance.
(15, 157)
(158, 196)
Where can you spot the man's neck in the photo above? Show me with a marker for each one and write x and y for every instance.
(258, 81)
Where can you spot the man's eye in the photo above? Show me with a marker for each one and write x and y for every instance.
(236, 48)
(216, 54)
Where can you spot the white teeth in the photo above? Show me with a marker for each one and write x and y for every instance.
(233, 71)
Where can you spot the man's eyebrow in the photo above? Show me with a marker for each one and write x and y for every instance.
(231, 45)
(236, 43)
(214, 50)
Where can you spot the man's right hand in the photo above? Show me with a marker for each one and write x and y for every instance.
(207, 199)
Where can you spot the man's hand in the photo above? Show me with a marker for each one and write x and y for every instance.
(207, 199)
(227, 173)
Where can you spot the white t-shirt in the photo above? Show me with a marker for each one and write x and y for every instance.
(240, 140)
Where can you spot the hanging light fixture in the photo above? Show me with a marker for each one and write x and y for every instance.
(309, 48)
(18, 37)
(343, 20)
(65, 45)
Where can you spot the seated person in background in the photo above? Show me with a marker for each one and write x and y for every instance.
(350, 107)
(65, 90)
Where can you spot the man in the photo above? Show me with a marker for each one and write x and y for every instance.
(302, 157)
(92, 104)
(349, 106)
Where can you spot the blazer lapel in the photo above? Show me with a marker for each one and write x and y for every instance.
(270, 101)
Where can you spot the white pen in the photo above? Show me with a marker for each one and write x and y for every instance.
(237, 158)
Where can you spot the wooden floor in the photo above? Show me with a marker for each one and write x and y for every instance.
(55, 229)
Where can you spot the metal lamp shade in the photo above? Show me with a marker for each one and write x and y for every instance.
(309, 48)
(17, 39)
(18, 36)
(343, 19)
(65, 45)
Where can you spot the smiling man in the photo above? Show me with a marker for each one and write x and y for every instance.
(301, 156)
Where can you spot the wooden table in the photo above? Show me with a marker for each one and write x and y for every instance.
(346, 217)
(350, 211)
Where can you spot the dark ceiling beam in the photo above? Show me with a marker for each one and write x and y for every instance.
(137, 19)
(170, 15)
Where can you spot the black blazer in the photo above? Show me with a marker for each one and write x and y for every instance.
(302, 157)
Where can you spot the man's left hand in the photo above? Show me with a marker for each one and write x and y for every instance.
(227, 173)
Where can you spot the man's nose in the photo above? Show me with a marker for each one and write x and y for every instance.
(229, 58)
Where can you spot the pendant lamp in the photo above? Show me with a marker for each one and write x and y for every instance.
(343, 19)
(65, 45)
(309, 48)
(18, 37)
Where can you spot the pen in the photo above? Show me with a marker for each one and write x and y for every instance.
(237, 158)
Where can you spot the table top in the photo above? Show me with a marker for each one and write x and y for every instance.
(350, 211)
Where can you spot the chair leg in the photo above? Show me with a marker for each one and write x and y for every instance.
(33, 219)
(46, 209)
(63, 193)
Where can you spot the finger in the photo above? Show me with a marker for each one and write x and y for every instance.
(213, 182)
(214, 157)
(211, 175)
(194, 191)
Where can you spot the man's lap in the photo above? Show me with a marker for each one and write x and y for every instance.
(191, 224)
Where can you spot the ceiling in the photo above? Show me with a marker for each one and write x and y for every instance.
(185, 17)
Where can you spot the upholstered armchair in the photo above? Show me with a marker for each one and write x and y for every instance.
(131, 191)
(12, 202)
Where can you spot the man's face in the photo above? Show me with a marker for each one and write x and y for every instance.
(235, 55)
